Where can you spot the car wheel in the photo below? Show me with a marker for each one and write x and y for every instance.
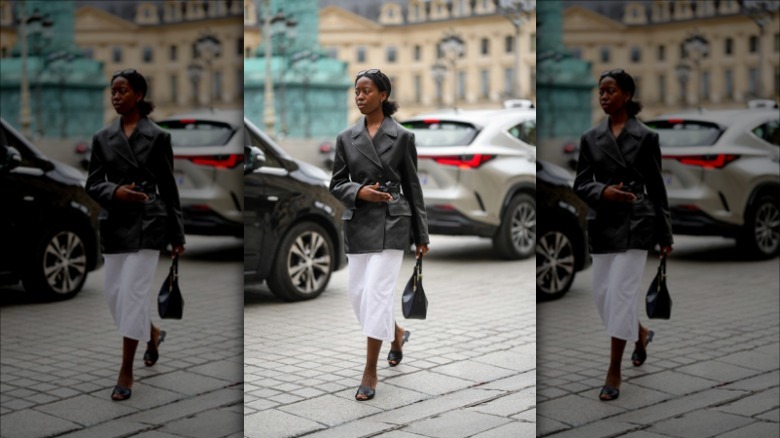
(554, 264)
(516, 237)
(303, 264)
(58, 266)
(761, 233)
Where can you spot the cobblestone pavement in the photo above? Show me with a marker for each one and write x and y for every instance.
(712, 369)
(59, 361)
(468, 370)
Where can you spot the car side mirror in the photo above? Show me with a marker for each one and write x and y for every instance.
(10, 159)
(254, 159)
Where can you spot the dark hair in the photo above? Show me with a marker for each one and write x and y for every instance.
(626, 83)
(138, 84)
(382, 82)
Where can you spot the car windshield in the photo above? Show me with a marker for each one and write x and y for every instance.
(442, 132)
(197, 133)
(681, 133)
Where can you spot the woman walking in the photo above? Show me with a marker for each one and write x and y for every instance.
(131, 176)
(375, 176)
(619, 176)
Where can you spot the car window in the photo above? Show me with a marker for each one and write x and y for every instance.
(441, 132)
(769, 132)
(525, 132)
(197, 133)
(29, 158)
(270, 158)
(681, 133)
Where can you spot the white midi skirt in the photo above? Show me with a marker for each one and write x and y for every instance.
(128, 286)
(616, 286)
(371, 284)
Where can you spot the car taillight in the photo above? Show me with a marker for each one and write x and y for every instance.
(713, 161)
(461, 161)
(218, 161)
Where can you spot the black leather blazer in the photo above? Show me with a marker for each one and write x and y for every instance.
(390, 157)
(633, 158)
(147, 156)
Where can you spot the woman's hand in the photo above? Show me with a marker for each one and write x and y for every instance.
(421, 250)
(666, 250)
(176, 251)
(615, 194)
(125, 193)
(372, 194)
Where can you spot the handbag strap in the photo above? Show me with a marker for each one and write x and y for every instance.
(174, 271)
(661, 272)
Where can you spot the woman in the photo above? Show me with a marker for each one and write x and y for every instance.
(619, 176)
(375, 176)
(131, 176)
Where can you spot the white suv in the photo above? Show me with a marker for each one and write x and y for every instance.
(478, 174)
(722, 173)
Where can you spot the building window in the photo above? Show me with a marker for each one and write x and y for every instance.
(461, 8)
(149, 87)
(661, 88)
(391, 54)
(752, 81)
(638, 82)
(438, 90)
(604, 55)
(417, 52)
(417, 88)
(753, 44)
(533, 42)
(174, 88)
(332, 52)
(461, 85)
(661, 53)
(485, 47)
(116, 55)
(216, 85)
(360, 54)
(484, 84)
(3, 52)
(636, 54)
(509, 77)
(728, 79)
(147, 55)
(172, 53)
(509, 44)
(728, 46)
(704, 85)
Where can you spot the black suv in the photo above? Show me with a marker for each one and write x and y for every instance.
(49, 223)
(292, 224)
(562, 240)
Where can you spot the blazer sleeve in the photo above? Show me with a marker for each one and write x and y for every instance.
(656, 190)
(585, 184)
(98, 186)
(166, 183)
(410, 182)
(341, 186)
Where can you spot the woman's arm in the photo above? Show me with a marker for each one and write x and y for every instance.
(166, 182)
(410, 182)
(656, 190)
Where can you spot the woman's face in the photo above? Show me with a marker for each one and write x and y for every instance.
(611, 97)
(367, 96)
(123, 97)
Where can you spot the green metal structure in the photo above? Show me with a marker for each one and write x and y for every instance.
(66, 89)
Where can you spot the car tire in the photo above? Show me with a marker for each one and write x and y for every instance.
(303, 263)
(760, 235)
(57, 268)
(516, 236)
(555, 264)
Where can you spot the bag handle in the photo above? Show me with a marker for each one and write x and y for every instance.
(174, 272)
(661, 272)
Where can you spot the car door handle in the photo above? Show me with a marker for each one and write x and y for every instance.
(272, 198)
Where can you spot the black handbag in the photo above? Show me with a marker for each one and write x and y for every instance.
(413, 301)
(658, 301)
(170, 303)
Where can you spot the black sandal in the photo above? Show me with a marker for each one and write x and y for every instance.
(612, 393)
(122, 392)
(150, 357)
(639, 357)
(395, 355)
(364, 391)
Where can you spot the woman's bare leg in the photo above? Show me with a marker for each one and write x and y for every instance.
(369, 373)
(126, 371)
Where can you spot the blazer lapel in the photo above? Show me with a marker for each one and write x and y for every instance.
(118, 142)
(362, 141)
(143, 140)
(631, 140)
(607, 143)
(385, 136)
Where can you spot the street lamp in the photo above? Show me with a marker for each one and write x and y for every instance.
(760, 11)
(33, 27)
(305, 63)
(207, 48)
(517, 12)
(683, 72)
(283, 30)
(696, 47)
(452, 47)
(438, 71)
